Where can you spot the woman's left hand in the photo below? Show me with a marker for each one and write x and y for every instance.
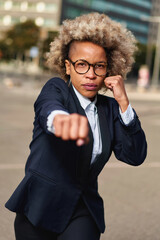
(116, 85)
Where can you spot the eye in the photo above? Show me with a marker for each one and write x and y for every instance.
(81, 64)
(100, 65)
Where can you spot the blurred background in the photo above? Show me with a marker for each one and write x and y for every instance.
(131, 195)
(27, 28)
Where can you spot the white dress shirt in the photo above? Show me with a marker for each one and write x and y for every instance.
(92, 115)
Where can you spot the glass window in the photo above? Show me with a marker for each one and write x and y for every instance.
(49, 23)
(24, 6)
(143, 3)
(39, 21)
(16, 5)
(15, 20)
(72, 12)
(40, 7)
(100, 5)
(81, 2)
(51, 7)
(23, 19)
(31, 6)
(137, 27)
(7, 20)
(142, 39)
(132, 25)
(8, 5)
(1, 4)
(76, 1)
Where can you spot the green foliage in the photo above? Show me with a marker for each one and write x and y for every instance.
(19, 38)
(46, 47)
(24, 35)
(46, 43)
(140, 57)
(4, 53)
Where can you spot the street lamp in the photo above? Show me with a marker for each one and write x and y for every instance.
(155, 76)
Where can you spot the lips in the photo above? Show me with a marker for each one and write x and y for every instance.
(90, 86)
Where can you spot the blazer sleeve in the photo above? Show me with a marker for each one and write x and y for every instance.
(129, 144)
(52, 97)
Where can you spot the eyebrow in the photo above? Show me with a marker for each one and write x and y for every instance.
(81, 59)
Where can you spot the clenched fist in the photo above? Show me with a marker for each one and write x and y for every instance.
(116, 85)
(72, 127)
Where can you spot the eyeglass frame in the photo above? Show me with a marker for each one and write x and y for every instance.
(89, 64)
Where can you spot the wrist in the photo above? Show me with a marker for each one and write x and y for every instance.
(123, 104)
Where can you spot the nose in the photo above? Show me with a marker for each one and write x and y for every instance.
(90, 73)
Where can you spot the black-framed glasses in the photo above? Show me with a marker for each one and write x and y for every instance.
(81, 66)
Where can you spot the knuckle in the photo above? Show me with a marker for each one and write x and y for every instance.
(66, 119)
(73, 136)
(84, 119)
(75, 116)
(58, 119)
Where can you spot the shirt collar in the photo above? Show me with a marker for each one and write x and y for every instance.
(83, 100)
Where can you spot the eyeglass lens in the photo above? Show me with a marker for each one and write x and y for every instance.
(83, 67)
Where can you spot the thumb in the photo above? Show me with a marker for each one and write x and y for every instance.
(80, 142)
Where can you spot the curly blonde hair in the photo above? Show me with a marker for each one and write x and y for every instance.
(118, 42)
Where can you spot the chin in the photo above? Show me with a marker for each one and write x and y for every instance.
(91, 96)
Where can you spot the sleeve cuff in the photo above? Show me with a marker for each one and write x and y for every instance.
(50, 119)
(127, 116)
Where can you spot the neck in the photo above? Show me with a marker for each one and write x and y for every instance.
(92, 99)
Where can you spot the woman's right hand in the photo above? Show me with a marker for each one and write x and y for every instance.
(72, 127)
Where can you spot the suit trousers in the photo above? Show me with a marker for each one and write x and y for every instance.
(81, 226)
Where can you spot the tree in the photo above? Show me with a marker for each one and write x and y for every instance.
(46, 47)
(19, 38)
(140, 57)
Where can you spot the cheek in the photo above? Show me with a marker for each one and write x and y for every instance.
(76, 78)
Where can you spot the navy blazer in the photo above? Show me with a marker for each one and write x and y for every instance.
(59, 172)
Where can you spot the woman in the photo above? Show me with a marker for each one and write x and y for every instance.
(75, 132)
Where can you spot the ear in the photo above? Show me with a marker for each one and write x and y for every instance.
(68, 67)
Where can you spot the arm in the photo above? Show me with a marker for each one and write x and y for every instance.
(129, 143)
(67, 126)
(53, 96)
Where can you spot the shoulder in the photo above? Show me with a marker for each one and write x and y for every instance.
(55, 82)
(55, 89)
(55, 86)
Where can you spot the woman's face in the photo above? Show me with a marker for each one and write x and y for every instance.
(88, 84)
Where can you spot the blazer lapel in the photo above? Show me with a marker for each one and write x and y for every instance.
(84, 152)
(98, 165)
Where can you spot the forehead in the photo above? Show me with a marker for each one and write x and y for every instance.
(86, 49)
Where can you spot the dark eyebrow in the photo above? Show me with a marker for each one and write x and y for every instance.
(101, 62)
(81, 59)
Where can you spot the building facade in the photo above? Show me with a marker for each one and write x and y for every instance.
(45, 13)
(153, 30)
(127, 12)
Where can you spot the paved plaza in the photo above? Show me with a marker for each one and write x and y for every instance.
(131, 194)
